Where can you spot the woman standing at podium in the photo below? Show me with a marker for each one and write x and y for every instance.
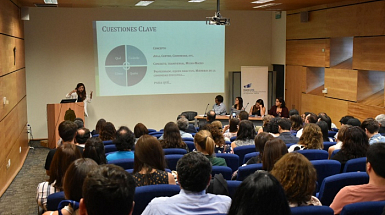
(80, 94)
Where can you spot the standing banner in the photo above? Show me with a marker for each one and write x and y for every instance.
(254, 84)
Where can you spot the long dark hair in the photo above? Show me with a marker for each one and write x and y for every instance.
(94, 149)
(324, 129)
(83, 94)
(280, 99)
(273, 151)
(240, 102)
(171, 137)
(108, 132)
(246, 130)
(355, 143)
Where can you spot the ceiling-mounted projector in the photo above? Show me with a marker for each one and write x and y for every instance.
(217, 19)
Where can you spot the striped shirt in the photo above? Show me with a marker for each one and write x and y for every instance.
(43, 191)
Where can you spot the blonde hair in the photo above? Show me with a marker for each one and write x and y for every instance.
(217, 124)
(205, 141)
(312, 137)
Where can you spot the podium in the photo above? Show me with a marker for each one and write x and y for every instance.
(55, 115)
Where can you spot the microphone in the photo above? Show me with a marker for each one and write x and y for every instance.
(204, 115)
(246, 106)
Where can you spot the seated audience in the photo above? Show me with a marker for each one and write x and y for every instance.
(64, 156)
(296, 123)
(260, 193)
(310, 139)
(371, 128)
(190, 129)
(124, 142)
(205, 144)
(172, 138)
(260, 141)
(325, 132)
(108, 132)
(210, 117)
(355, 145)
(273, 126)
(273, 151)
(293, 112)
(339, 139)
(243, 115)
(98, 126)
(344, 120)
(139, 130)
(266, 121)
(83, 134)
(79, 122)
(381, 120)
(245, 134)
(94, 149)
(284, 126)
(149, 163)
(279, 109)
(107, 189)
(309, 118)
(354, 122)
(298, 178)
(322, 116)
(216, 133)
(183, 125)
(73, 183)
(194, 174)
(374, 190)
(231, 129)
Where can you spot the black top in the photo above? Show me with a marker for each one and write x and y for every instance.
(157, 177)
(51, 153)
(343, 158)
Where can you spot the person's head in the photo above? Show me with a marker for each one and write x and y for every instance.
(279, 102)
(311, 137)
(260, 102)
(375, 158)
(218, 99)
(107, 189)
(204, 142)
(324, 117)
(273, 125)
(273, 151)
(99, 125)
(79, 122)
(74, 178)
(83, 134)
(172, 137)
(233, 124)
(380, 119)
(182, 123)
(311, 118)
(370, 126)
(80, 88)
(266, 120)
(297, 176)
(238, 103)
(355, 142)
(246, 130)
(140, 129)
(67, 130)
(324, 129)
(211, 116)
(108, 132)
(296, 122)
(215, 129)
(260, 193)
(194, 172)
(94, 149)
(260, 141)
(345, 119)
(149, 154)
(354, 122)
(341, 132)
(284, 124)
(125, 139)
(293, 112)
(65, 154)
(243, 115)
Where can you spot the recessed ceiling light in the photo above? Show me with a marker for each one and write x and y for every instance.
(196, 0)
(143, 3)
(267, 5)
(261, 1)
(50, 1)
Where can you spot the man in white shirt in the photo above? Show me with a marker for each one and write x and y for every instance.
(219, 108)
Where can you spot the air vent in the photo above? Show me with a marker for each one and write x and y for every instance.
(45, 5)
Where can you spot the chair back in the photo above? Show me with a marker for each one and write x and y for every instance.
(249, 155)
(108, 142)
(156, 134)
(233, 138)
(171, 151)
(355, 165)
(110, 148)
(151, 130)
(314, 154)
(312, 210)
(328, 144)
(242, 150)
(224, 170)
(289, 144)
(126, 163)
(144, 195)
(245, 171)
(232, 160)
(190, 115)
(372, 208)
(171, 160)
(332, 133)
(190, 145)
(232, 186)
(188, 139)
(334, 152)
(333, 184)
(54, 199)
(325, 168)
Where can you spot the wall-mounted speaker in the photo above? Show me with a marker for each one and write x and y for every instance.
(24, 13)
(304, 16)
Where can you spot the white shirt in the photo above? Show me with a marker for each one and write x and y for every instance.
(74, 95)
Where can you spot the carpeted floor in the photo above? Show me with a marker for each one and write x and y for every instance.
(20, 197)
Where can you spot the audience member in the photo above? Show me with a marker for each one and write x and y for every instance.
(345, 119)
(371, 128)
(216, 133)
(219, 108)
(94, 149)
(149, 163)
(108, 132)
(339, 139)
(298, 178)
(210, 117)
(231, 129)
(293, 112)
(172, 138)
(284, 126)
(296, 124)
(374, 190)
(273, 151)
(325, 132)
(260, 193)
(124, 142)
(79, 122)
(139, 130)
(183, 125)
(273, 126)
(381, 120)
(194, 174)
(322, 116)
(243, 115)
(98, 127)
(266, 120)
(260, 141)
(245, 135)
(310, 139)
(82, 135)
(354, 122)
(107, 189)
(205, 144)
(190, 129)
(309, 118)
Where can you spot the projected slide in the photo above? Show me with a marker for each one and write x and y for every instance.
(144, 58)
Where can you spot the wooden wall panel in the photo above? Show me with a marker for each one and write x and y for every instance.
(6, 54)
(315, 28)
(369, 83)
(341, 49)
(20, 54)
(361, 111)
(313, 53)
(341, 83)
(314, 79)
(295, 77)
(10, 91)
(368, 53)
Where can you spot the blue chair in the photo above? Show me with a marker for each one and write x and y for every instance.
(232, 186)
(190, 145)
(242, 150)
(110, 148)
(150, 130)
(228, 142)
(171, 151)
(95, 135)
(355, 165)
(226, 171)
(108, 142)
(233, 138)
(335, 129)
(314, 154)
(53, 200)
(232, 160)
(188, 139)
(156, 134)
(248, 156)
(245, 171)
(132, 170)
(127, 163)
(334, 153)
(325, 168)
(333, 184)
(144, 195)
(171, 160)
(312, 210)
(332, 133)
(289, 144)
(328, 144)
(372, 208)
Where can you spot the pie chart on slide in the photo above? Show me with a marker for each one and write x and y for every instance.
(126, 65)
